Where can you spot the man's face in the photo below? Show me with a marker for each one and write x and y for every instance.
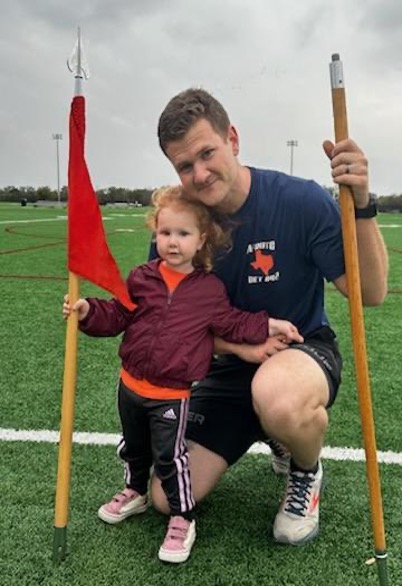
(206, 164)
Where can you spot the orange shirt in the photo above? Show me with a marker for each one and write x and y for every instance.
(141, 386)
(171, 277)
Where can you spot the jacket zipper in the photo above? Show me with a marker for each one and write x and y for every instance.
(169, 301)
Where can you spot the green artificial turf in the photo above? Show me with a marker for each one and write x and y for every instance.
(234, 544)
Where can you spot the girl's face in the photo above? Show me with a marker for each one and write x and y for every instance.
(178, 238)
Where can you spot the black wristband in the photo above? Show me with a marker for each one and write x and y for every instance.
(368, 212)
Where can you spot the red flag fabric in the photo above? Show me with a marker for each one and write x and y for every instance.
(88, 252)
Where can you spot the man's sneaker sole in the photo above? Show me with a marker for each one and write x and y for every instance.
(115, 519)
(284, 540)
(177, 557)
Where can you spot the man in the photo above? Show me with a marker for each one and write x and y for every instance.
(286, 240)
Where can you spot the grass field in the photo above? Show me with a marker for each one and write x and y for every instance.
(234, 545)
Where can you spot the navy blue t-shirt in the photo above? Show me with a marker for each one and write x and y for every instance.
(287, 239)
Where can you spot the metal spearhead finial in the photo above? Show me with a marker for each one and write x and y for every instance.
(78, 64)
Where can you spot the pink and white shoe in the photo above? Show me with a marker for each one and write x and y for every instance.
(179, 540)
(124, 504)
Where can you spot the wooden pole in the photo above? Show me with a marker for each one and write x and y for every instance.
(66, 427)
(357, 327)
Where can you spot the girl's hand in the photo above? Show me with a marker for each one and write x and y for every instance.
(81, 306)
(258, 353)
(281, 327)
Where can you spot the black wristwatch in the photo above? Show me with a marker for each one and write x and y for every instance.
(370, 211)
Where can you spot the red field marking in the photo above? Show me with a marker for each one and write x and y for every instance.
(45, 277)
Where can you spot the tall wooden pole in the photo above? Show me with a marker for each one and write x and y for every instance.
(69, 380)
(357, 327)
(66, 428)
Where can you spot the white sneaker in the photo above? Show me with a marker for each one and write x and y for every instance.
(298, 517)
(280, 457)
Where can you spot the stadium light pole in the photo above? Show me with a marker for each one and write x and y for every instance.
(58, 137)
(292, 144)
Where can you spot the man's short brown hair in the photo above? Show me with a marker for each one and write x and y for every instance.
(186, 109)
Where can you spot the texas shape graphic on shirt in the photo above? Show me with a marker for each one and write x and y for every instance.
(262, 262)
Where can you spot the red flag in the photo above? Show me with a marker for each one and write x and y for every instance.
(88, 252)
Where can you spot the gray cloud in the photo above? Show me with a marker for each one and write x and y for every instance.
(266, 60)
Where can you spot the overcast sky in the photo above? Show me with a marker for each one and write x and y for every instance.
(266, 60)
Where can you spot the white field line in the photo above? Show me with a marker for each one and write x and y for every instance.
(390, 225)
(128, 215)
(33, 221)
(58, 218)
(107, 439)
(341, 454)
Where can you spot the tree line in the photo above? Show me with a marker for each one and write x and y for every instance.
(386, 203)
(32, 195)
(110, 195)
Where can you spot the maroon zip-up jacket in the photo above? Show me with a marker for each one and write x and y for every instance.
(169, 338)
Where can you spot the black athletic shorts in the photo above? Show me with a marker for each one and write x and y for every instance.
(221, 416)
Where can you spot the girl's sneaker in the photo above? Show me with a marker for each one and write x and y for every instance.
(124, 504)
(179, 540)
